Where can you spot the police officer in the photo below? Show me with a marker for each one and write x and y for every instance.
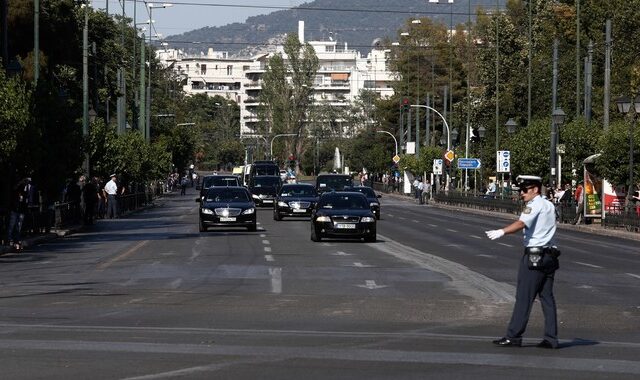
(537, 265)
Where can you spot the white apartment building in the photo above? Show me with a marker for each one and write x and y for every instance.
(342, 75)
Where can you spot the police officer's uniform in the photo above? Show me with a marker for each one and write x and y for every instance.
(540, 227)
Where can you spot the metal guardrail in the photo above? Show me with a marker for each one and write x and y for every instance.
(566, 212)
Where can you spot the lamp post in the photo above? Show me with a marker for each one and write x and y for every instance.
(151, 7)
(481, 133)
(557, 118)
(274, 137)
(624, 106)
(394, 139)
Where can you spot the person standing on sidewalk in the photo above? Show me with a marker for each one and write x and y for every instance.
(111, 189)
(18, 206)
(537, 265)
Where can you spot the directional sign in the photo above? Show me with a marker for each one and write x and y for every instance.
(449, 156)
(396, 159)
(468, 163)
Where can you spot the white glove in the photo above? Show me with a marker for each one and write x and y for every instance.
(495, 234)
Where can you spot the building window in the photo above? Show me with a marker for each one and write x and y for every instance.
(369, 84)
(187, 68)
(229, 69)
(203, 69)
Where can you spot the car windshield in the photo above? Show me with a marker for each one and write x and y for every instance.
(220, 194)
(344, 201)
(220, 181)
(266, 182)
(367, 191)
(266, 170)
(294, 191)
(335, 183)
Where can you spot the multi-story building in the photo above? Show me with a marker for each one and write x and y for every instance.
(342, 75)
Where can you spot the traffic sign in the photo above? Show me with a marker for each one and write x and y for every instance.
(396, 159)
(437, 166)
(468, 163)
(449, 156)
(503, 161)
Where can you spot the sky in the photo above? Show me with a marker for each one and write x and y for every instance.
(186, 15)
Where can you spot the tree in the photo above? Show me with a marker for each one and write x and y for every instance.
(613, 164)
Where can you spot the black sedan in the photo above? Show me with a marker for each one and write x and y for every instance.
(372, 198)
(215, 181)
(343, 215)
(227, 207)
(295, 200)
(264, 189)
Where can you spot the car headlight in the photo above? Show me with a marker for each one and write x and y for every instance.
(373, 204)
(206, 211)
(249, 211)
(255, 196)
(282, 204)
(367, 219)
(323, 219)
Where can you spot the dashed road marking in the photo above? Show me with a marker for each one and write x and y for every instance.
(361, 265)
(432, 225)
(450, 230)
(506, 245)
(269, 258)
(266, 242)
(488, 256)
(415, 221)
(475, 236)
(588, 265)
(263, 235)
(126, 254)
(267, 249)
(633, 275)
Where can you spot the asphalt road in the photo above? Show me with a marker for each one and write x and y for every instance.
(149, 297)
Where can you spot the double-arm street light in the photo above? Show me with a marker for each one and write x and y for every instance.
(624, 106)
(274, 137)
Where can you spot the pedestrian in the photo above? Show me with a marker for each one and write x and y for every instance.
(491, 190)
(111, 191)
(89, 200)
(420, 191)
(385, 182)
(183, 184)
(537, 265)
(18, 208)
(415, 187)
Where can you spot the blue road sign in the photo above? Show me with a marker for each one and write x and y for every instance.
(468, 163)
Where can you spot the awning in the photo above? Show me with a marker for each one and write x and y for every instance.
(338, 76)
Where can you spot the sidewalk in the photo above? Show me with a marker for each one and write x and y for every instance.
(595, 229)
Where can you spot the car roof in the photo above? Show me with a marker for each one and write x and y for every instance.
(298, 184)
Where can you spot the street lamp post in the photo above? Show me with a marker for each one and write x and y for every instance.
(481, 133)
(151, 7)
(274, 137)
(394, 139)
(624, 106)
(557, 119)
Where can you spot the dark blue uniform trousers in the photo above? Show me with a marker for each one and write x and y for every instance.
(532, 283)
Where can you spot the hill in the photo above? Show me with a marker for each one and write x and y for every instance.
(357, 22)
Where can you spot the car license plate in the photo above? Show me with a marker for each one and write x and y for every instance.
(267, 200)
(345, 226)
(299, 210)
(227, 219)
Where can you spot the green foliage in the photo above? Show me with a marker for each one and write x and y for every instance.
(366, 151)
(14, 114)
(613, 164)
(529, 150)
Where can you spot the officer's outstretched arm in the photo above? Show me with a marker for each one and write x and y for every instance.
(511, 228)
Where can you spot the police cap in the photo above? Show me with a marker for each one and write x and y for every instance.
(528, 180)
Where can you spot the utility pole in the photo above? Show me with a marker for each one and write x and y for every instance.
(607, 75)
(85, 83)
(141, 104)
(36, 40)
(577, 58)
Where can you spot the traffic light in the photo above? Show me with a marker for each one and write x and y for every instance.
(405, 104)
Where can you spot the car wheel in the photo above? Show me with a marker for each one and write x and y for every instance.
(252, 228)
(202, 227)
(371, 238)
(315, 236)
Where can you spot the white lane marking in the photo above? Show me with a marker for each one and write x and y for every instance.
(371, 285)
(266, 242)
(415, 221)
(263, 235)
(588, 265)
(340, 253)
(269, 258)
(361, 265)
(390, 215)
(633, 275)
(276, 280)
(506, 245)
(463, 279)
(176, 283)
(432, 225)
(475, 236)
(488, 256)
(584, 287)
(267, 249)
(450, 230)
(402, 218)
